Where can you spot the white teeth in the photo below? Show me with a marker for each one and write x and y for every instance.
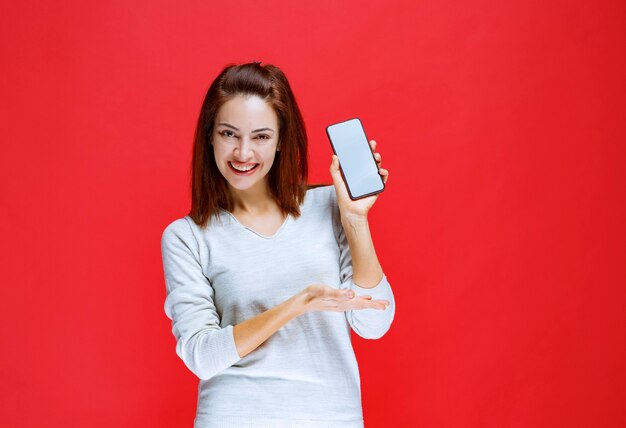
(243, 168)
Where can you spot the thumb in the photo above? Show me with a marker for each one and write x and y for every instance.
(345, 294)
(334, 170)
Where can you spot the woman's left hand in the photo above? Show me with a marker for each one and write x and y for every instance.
(358, 209)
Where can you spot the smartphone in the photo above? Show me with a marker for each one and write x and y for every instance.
(356, 159)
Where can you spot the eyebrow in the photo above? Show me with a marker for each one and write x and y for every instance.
(237, 129)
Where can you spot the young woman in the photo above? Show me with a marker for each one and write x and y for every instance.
(266, 276)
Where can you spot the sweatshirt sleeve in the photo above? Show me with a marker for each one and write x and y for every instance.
(204, 346)
(367, 323)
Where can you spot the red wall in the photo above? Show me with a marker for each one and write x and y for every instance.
(502, 230)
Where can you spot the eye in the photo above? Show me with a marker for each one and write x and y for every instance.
(227, 133)
(263, 137)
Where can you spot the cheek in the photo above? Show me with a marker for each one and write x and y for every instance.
(218, 157)
(270, 157)
(218, 151)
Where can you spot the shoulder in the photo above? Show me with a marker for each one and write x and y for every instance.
(185, 233)
(181, 229)
(321, 203)
(187, 227)
(176, 231)
(320, 197)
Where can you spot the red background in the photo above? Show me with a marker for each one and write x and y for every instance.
(502, 229)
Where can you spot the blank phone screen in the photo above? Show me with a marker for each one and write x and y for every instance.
(355, 157)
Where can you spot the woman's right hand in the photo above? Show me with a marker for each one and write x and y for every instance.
(322, 297)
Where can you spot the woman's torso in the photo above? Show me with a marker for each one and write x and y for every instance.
(306, 371)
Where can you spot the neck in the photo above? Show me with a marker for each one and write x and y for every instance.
(255, 200)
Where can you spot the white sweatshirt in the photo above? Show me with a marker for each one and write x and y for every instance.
(306, 374)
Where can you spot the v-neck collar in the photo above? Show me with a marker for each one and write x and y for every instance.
(282, 226)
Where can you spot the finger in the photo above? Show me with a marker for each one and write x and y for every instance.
(334, 170)
(381, 304)
(365, 304)
(328, 293)
(334, 163)
(384, 174)
(373, 145)
(340, 294)
(378, 157)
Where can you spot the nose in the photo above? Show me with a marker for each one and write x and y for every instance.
(243, 150)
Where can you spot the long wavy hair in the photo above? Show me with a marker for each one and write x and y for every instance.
(288, 175)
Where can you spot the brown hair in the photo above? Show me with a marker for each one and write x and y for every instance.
(288, 175)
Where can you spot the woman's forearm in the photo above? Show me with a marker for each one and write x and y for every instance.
(366, 269)
(251, 333)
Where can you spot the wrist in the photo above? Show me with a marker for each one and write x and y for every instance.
(299, 303)
(354, 221)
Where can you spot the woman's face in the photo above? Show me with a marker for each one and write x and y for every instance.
(245, 137)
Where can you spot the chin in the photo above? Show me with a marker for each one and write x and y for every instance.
(245, 183)
(241, 186)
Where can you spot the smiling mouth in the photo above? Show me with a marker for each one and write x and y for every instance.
(243, 169)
